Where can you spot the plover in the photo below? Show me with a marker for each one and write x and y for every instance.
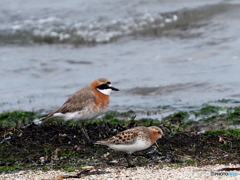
(85, 104)
(132, 140)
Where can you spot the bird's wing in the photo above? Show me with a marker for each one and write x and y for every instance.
(77, 102)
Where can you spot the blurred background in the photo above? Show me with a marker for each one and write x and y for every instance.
(162, 54)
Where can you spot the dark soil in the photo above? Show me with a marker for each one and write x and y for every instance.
(61, 146)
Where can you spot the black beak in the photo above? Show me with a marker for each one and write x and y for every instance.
(114, 89)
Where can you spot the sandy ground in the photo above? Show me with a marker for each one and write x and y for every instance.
(153, 173)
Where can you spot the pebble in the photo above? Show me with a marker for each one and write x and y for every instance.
(138, 173)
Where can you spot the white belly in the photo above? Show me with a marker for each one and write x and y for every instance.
(78, 115)
(139, 145)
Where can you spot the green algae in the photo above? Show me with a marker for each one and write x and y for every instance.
(56, 144)
(234, 132)
(16, 118)
(181, 115)
(235, 114)
(207, 113)
(208, 110)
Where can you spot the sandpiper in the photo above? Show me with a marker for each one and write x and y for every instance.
(132, 140)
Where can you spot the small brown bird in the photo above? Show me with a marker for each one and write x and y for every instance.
(85, 104)
(132, 140)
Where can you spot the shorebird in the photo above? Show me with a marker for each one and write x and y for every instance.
(85, 104)
(132, 140)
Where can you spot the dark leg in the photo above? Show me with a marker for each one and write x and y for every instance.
(85, 134)
(128, 161)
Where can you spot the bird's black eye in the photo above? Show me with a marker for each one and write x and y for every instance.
(159, 132)
(103, 86)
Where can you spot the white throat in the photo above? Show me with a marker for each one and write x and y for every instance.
(105, 91)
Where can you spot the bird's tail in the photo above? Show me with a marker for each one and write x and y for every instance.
(43, 118)
(100, 142)
(97, 142)
(47, 116)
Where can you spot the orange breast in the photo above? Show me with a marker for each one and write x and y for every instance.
(101, 101)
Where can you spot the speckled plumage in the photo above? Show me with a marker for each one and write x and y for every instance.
(128, 136)
(132, 140)
(135, 139)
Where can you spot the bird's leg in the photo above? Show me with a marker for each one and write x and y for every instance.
(129, 161)
(85, 134)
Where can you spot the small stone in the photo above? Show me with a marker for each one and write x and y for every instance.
(88, 167)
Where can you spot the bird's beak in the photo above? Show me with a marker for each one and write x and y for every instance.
(114, 89)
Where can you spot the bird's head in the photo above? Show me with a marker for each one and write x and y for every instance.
(104, 86)
(155, 133)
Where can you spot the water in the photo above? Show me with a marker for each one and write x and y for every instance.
(160, 54)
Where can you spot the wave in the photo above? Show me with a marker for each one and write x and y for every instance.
(54, 30)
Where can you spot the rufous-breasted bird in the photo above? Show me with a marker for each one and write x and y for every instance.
(85, 104)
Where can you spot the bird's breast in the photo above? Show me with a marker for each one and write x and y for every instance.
(101, 102)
